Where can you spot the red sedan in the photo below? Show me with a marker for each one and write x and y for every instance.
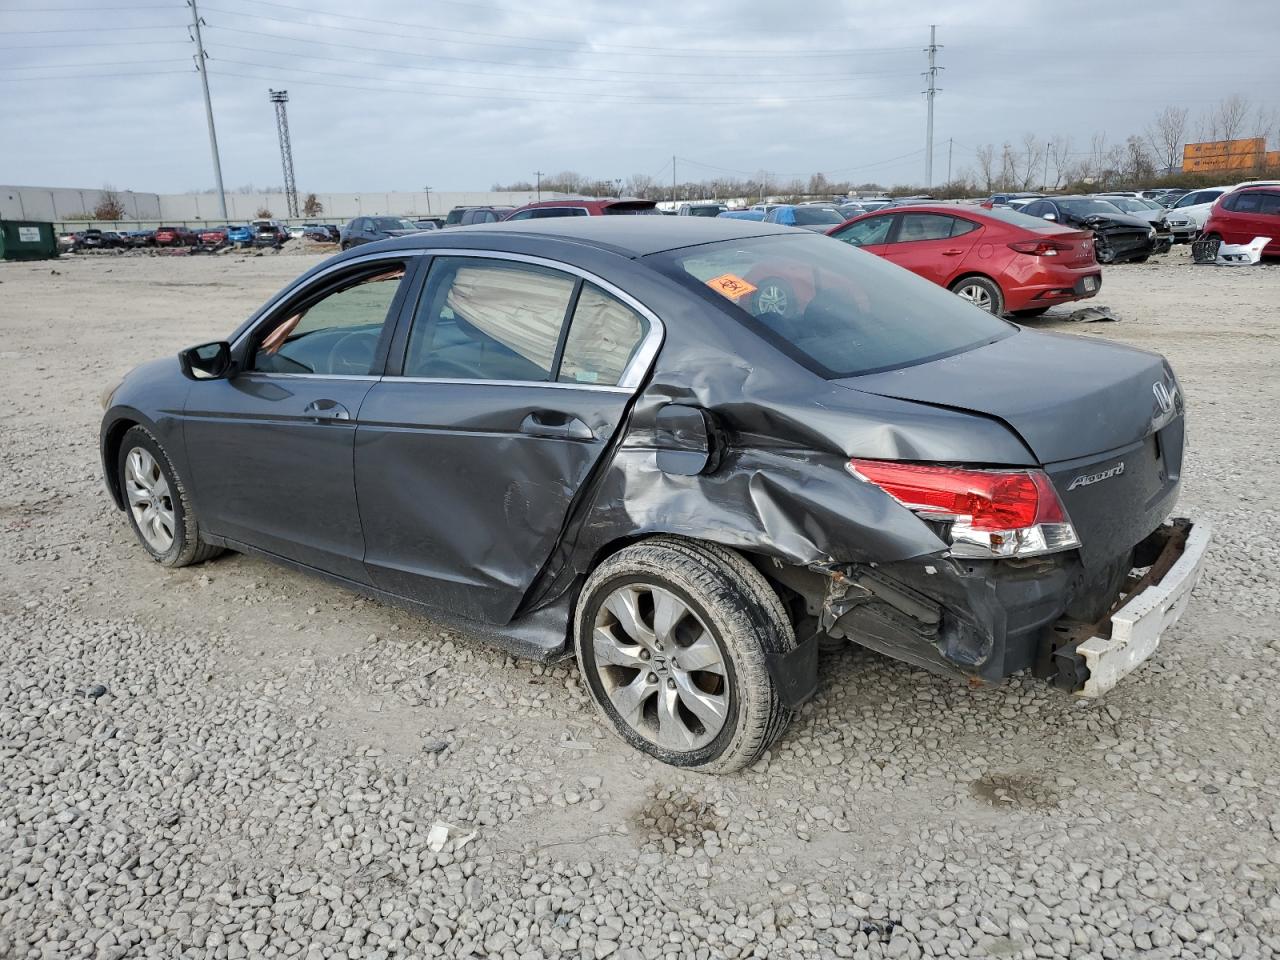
(999, 260)
(1244, 214)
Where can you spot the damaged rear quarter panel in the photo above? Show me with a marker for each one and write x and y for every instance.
(778, 487)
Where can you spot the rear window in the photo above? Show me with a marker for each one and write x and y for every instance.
(632, 207)
(813, 216)
(838, 311)
(1026, 222)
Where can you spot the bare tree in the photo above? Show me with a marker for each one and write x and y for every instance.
(1060, 155)
(639, 185)
(986, 159)
(1138, 167)
(1167, 134)
(312, 207)
(1033, 154)
(264, 213)
(1232, 116)
(110, 206)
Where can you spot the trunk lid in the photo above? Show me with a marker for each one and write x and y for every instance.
(1103, 419)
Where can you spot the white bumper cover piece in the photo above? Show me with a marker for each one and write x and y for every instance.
(1137, 626)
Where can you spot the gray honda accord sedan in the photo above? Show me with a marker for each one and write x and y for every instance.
(590, 436)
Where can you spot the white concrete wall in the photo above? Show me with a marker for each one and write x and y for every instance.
(60, 204)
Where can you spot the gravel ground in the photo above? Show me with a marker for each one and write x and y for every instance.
(234, 760)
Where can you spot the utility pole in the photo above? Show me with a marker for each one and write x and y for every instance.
(538, 174)
(673, 178)
(1045, 183)
(280, 98)
(932, 75)
(208, 104)
(951, 142)
(427, 191)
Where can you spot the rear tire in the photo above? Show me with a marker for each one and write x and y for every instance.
(983, 292)
(157, 503)
(696, 602)
(1029, 312)
(1140, 259)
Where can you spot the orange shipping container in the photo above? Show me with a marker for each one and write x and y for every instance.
(1220, 148)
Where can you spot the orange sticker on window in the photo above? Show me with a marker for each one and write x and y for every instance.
(731, 286)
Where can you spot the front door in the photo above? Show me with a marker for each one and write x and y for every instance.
(514, 378)
(271, 446)
(868, 233)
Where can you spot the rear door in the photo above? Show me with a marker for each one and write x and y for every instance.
(504, 388)
(932, 245)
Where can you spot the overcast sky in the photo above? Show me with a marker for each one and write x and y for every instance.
(455, 94)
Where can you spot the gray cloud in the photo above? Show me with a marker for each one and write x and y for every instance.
(460, 94)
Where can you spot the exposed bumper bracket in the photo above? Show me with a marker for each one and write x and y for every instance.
(1112, 648)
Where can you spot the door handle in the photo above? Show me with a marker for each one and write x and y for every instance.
(323, 411)
(952, 253)
(558, 426)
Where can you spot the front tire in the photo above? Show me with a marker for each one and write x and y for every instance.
(157, 503)
(982, 292)
(671, 637)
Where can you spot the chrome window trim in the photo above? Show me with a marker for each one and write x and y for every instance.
(271, 375)
(593, 387)
(636, 369)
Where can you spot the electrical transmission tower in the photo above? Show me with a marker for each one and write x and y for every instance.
(932, 76)
(280, 98)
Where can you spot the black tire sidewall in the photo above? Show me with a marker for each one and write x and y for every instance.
(993, 288)
(140, 437)
(588, 609)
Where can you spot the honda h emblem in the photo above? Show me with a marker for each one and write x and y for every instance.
(1164, 396)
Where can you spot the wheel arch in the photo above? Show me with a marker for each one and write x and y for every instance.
(114, 427)
(972, 274)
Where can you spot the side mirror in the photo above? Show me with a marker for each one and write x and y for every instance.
(208, 361)
(1051, 216)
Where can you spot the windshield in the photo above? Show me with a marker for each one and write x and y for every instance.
(838, 311)
(708, 210)
(810, 216)
(1130, 204)
(393, 223)
(1089, 208)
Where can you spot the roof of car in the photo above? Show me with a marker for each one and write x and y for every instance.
(630, 236)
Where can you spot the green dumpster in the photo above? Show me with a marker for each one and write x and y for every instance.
(27, 240)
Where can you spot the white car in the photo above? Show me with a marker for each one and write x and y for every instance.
(1187, 216)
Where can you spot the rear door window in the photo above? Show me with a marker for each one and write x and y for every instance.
(603, 337)
(924, 226)
(480, 319)
(1269, 204)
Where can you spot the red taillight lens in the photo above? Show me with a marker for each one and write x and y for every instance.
(988, 513)
(990, 499)
(1040, 248)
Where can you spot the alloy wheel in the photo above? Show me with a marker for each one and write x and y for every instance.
(772, 299)
(150, 500)
(662, 669)
(978, 295)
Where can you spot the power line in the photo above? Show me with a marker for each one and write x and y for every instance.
(93, 76)
(603, 50)
(435, 87)
(506, 63)
(20, 33)
(825, 80)
(103, 63)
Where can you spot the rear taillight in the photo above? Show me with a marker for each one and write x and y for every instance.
(981, 513)
(1040, 248)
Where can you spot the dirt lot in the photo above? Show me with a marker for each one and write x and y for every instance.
(236, 761)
